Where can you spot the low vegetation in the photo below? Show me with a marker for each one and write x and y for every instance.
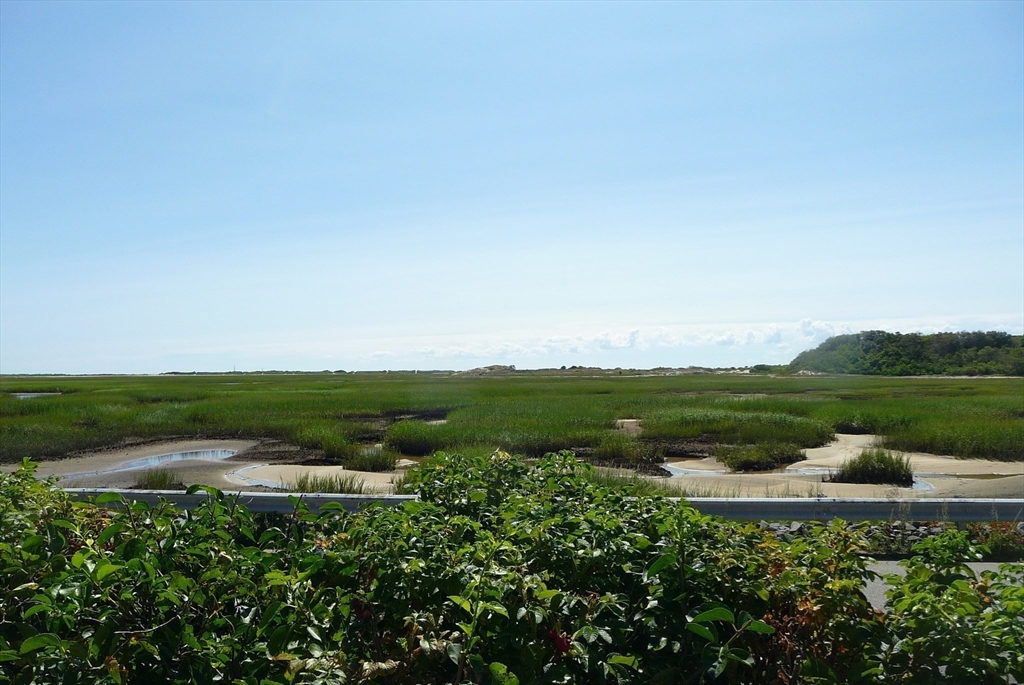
(878, 467)
(159, 479)
(765, 456)
(504, 572)
(372, 459)
(338, 415)
(349, 484)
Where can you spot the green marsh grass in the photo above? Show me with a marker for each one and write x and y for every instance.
(735, 425)
(765, 456)
(342, 484)
(372, 459)
(520, 413)
(878, 467)
(158, 479)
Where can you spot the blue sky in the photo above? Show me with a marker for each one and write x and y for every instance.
(207, 186)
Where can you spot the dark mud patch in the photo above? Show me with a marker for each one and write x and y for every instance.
(279, 452)
(698, 448)
(649, 467)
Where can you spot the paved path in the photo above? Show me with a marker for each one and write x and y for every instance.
(875, 589)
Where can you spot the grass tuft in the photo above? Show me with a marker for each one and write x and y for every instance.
(375, 459)
(761, 457)
(877, 467)
(158, 479)
(343, 484)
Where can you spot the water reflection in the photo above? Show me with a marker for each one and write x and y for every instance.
(159, 459)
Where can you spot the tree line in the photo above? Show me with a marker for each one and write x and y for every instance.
(967, 353)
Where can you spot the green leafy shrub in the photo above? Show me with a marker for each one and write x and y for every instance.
(761, 457)
(504, 571)
(1004, 540)
(944, 625)
(876, 466)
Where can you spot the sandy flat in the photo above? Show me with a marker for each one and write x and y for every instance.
(288, 473)
(941, 476)
(705, 464)
(849, 446)
(786, 485)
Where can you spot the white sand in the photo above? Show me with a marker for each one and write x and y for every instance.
(288, 473)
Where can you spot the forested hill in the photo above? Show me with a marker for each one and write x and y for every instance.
(895, 354)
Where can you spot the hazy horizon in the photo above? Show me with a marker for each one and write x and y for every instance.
(307, 186)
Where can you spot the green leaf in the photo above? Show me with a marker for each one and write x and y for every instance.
(756, 626)
(108, 497)
(698, 629)
(622, 660)
(268, 615)
(279, 638)
(660, 563)
(716, 614)
(104, 571)
(109, 532)
(497, 608)
(39, 641)
(477, 496)
(501, 676)
(33, 610)
(461, 602)
(455, 653)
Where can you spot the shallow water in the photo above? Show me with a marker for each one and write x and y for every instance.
(158, 460)
(240, 475)
(31, 395)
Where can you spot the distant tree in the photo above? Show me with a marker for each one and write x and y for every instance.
(913, 354)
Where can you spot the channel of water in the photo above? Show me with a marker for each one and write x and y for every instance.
(158, 460)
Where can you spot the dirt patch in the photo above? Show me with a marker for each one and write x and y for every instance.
(698, 448)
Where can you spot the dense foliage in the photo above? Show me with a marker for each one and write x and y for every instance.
(912, 354)
(522, 413)
(504, 572)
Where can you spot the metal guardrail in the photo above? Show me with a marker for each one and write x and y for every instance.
(825, 509)
(262, 502)
(743, 509)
